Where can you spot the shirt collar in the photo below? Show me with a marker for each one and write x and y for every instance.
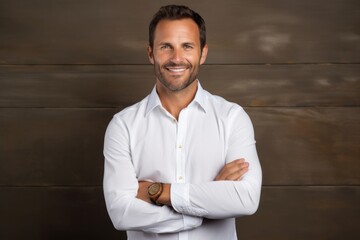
(200, 97)
(154, 99)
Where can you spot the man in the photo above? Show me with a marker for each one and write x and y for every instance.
(175, 162)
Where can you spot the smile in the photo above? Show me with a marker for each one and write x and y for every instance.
(177, 69)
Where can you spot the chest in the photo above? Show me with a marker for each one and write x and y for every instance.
(189, 150)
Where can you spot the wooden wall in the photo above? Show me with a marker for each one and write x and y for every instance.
(67, 66)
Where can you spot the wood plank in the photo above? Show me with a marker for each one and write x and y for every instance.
(308, 146)
(297, 146)
(79, 213)
(108, 32)
(114, 86)
(55, 213)
(285, 85)
(74, 86)
(52, 146)
(299, 213)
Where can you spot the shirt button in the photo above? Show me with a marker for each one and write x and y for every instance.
(180, 146)
(180, 178)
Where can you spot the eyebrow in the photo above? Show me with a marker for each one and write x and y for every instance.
(164, 43)
(189, 43)
(185, 43)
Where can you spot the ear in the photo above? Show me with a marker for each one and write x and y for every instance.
(204, 54)
(150, 54)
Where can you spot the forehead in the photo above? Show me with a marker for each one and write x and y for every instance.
(183, 29)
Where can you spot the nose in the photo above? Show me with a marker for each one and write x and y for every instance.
(177, 55)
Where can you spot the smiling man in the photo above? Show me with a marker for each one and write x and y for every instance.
(181, 163)
(177, 54)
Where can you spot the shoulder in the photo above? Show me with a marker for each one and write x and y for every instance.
(223, 107)
(130, 113)
(232, 117)
(122, 122)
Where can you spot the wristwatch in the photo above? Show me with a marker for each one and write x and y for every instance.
(154, 192)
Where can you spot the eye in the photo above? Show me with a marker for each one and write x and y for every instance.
(165, 46)
(188, 46)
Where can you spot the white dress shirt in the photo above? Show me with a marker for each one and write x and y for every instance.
(145, 142)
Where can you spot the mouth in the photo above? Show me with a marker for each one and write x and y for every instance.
(176, 69)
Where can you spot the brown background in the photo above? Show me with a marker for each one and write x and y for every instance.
(66, 66)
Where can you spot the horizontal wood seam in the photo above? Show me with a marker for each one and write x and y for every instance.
(206, 64)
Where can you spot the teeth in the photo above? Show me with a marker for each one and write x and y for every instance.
(177, 69)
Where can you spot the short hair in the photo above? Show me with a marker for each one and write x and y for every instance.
(177, 12)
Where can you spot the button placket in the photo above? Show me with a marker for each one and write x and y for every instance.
(180, 154)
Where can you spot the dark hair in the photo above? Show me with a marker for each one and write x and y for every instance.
(177, 12)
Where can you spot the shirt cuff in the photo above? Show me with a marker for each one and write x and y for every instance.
(191, 222)
(180, 200)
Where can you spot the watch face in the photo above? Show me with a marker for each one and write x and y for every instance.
(154, 188)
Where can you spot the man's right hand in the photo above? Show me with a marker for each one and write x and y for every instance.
(233, 171)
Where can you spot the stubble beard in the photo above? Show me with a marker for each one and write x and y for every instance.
(160, 73)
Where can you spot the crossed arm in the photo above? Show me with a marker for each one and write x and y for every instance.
(235, 191)
(232, 171)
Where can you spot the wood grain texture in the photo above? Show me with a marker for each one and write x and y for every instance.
(67, 66)
(44, 213)
(308, 146)
(114, 86)
(79, 213)
(297, 146)
(285, 85)
(52, 146)
(304, 213)
(111, 32)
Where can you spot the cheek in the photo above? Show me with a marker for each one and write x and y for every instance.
(194, 58)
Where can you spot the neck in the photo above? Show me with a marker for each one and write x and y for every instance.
(174, 102)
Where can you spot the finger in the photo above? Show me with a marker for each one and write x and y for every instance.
(235, 171)
(237, 175)
(233, 165)
(235, 162)
(229, 169)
